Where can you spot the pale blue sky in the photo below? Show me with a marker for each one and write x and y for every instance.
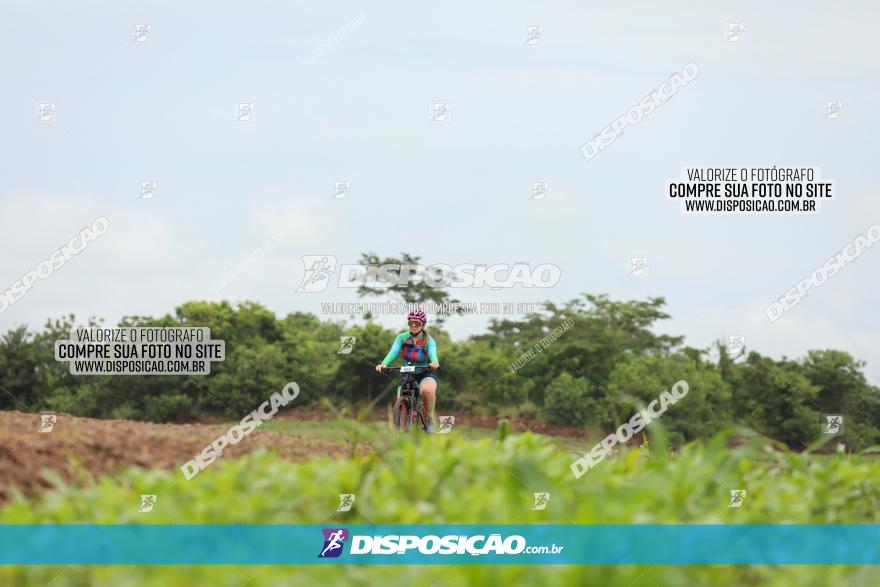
(163, 110)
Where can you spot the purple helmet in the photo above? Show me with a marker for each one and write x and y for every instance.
(417, 315)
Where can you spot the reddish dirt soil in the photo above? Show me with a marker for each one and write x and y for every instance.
(105, 447)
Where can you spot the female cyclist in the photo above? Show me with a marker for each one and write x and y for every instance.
(418, 349)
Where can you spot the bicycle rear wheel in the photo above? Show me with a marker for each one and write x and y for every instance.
(422, 417)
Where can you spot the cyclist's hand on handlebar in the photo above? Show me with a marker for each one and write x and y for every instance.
(379, 368)
(434, 365)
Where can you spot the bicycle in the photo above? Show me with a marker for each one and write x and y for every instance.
(409, 405)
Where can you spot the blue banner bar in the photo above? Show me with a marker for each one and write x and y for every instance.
(635, 544)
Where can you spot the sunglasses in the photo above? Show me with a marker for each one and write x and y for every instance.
(415, 323)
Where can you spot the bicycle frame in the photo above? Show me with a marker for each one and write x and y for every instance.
(409, 392)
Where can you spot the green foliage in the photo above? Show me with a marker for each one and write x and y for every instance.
(602, 364)
(571, 400)
(487, 482)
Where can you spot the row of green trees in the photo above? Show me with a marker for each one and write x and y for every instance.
(596, 374)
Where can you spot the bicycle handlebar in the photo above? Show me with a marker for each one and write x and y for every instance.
(416, 369)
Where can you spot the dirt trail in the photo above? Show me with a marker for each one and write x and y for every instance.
(105, 447)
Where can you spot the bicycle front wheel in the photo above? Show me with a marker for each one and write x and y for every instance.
(402, 414)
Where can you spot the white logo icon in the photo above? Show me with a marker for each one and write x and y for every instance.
(346, 345)
(439, 111)
(47, 422)
(147, 503)
(541, 501)
(246, 112)
(148, 189)
(734, 32)
(833, 424)
(318, 269)
(736, 498)
(346, 501)
(341, 189)
(735, 344)
(46, 112)
(539, 190)
(832, 109)
(140, 32)
(534, 34)
(639, 266)
(446, 424)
